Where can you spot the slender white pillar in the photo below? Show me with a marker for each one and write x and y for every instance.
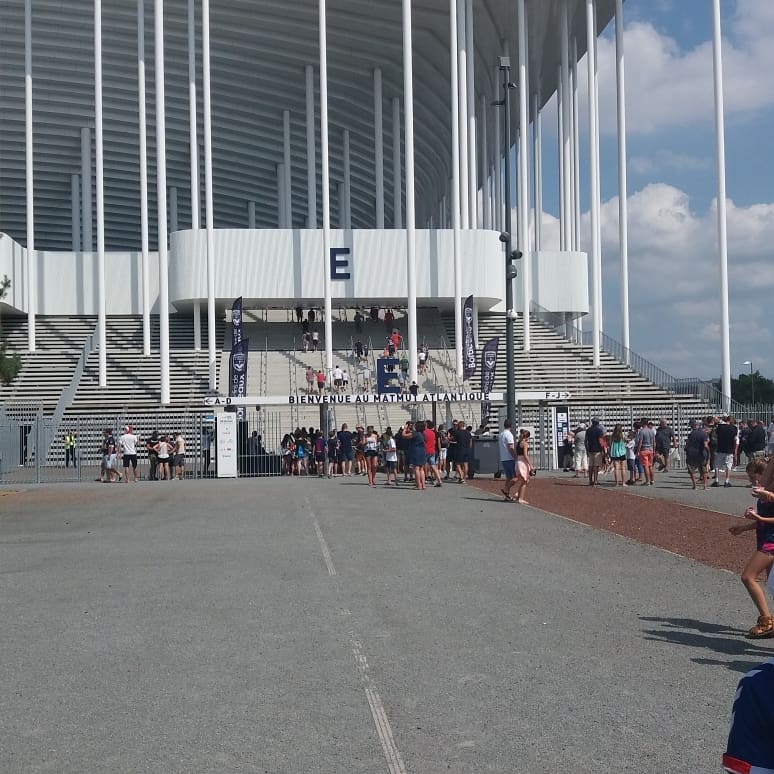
(596, 303)
(173, 213)
(462, 83)
(411, 258)
(470, 82)
(75, 211)
(251, 214)
(87, 242)
(347, 189)
(523, 182)
(720, 124)
(193, 143)
(623, 236)
(208, 206)
(397, 193)
(537, 170)
(563, 214)
(31, 268)
(340, 206)
(598, 172)
(311, 151)
(486, 211)
(161, 193)
(564, 46)
(100, 193)
(288, 184)
(455, 185)
(142, 130)
(281, 204)
(379, 147)
(498, 181)
(576, 197)
(326, 185)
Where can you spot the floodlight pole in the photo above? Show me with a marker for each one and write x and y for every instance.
(504, 67)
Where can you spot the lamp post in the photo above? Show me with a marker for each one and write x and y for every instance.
(504, 67)
(752, 381)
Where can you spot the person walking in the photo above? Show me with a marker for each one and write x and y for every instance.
(507, 447)
(417, 456)
(761, 520)
(725, 455)
(645, 444)
(523, 465)
(580, 456)
(431, 452)
(595, 451)
(321, 381)
(390, 449)
(179, 456)
(333, 454)
(128, 445)
(697, 451)
(371, 454)
(311, 377)
(665, 442)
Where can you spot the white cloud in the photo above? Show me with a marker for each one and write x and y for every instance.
(668, 87)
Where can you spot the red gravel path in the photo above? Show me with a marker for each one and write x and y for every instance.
(692, 532)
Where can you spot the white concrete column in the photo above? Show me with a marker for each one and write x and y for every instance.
(347, 185)
(537, 170)
(563, 214)
(173, 213)
(455, 185)
(523, 173)
(595, 205)
(397, 193)
(720, 126)
(286, 168)
(142, 131)
(623, 216)
(411, 258)
(462, 84)
(486, 211)
(470, 82)
(379, 147)
(208, 206)
(281, 204)
(161, 193)
(31, 267)
(311, 151)
(251, 214)
(99, 178)
(564, 47)
(576, 195)
(75, 211)
(326, 184)
(193, 143)
(87, 240)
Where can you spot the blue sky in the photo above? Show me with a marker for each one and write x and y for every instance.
(674, 267)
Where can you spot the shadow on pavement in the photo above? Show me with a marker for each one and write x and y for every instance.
(712, 637)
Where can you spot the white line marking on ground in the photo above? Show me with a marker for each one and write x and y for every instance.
(324, 547)
(383, 729)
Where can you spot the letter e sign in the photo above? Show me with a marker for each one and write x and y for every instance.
(339, 265)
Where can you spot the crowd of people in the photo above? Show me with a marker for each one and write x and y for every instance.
(712, 449)
(419, 452)
(165, 451)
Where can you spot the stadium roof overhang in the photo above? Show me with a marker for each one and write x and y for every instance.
(259, 51)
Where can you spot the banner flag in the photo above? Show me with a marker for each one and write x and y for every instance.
(488, 366)
(468, 340)
(237, 373)
(236, 323)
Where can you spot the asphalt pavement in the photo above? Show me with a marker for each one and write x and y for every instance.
(291, 626)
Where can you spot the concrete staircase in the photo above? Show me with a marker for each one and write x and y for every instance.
(48, 370)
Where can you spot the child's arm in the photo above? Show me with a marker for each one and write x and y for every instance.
(752, 514)
(763, 494)
(738, 529)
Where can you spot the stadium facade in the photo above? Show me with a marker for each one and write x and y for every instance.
(348, 153)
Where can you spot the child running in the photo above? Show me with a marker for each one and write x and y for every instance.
(762, 521)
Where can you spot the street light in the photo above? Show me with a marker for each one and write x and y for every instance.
(504, 66)
(752, 381)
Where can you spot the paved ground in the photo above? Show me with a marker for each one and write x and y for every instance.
(305, 626)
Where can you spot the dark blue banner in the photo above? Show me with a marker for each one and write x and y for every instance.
(468, 340)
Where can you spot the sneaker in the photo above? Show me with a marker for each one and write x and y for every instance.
(727, 484)
(714, 483)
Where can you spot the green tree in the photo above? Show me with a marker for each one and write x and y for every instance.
(10, 363)
(743, 385)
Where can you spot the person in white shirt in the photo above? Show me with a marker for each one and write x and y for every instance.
(390, 457)
(127, 444)
(338, 376)
(365, 375)
(508, 459)
(770, 437)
